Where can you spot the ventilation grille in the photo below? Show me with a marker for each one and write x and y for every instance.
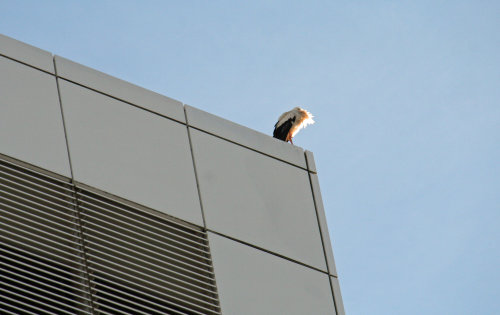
(143, 264)
(67, 250)
(41, 261)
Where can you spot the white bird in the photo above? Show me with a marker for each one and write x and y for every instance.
(291, 122)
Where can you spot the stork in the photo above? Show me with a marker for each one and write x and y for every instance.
(289, 123)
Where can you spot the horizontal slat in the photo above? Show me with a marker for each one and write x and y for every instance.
(193, 232)
(36, 188)
(137, 280)
(32, 200)
(137, 296)
(52, 292)
(23, 207)
(120, 230)
(4, 306)
(33, 174)
(76, 270)
(19, 271)
(206, 272)
(21, 299)
(146, 219)
(58, 229)
(19, 203)
(47, 218)
(135, 310)
(162, 274)
(56, 241)
(148, 275)
(31, 306)
(14, 239)
(91, 230)
(147, 256)
(194, 259)
(39, 300)
(144, 289)
(161, 232)
(131, 234)
(62, 194)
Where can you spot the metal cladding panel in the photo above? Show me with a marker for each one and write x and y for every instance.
(119, 89)
(337, 295)
(41, 263)
(31, 124)
(323, 225)
(311, 165)
(251, 281)
(130, 152)
(245, 136)
(27, 54)
(257, 199)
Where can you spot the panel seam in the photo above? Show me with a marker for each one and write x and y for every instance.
(195, 170)
(321, 233)
(268, 251)
(249, 148)
(75, 198)
(27, 64)
(120, 99)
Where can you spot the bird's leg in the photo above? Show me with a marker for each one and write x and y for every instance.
(289, 137)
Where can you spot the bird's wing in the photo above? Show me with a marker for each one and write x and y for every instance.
(285, 117)
(282, 128)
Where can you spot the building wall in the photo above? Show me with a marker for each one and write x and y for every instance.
(257, 199)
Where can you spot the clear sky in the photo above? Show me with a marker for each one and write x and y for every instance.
(406, 96)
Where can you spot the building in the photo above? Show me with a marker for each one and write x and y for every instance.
(117, 200)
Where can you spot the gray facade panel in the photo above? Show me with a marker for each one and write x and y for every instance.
(257, 199)
(251, 282)
(120, 89)
(30, 117)
(323, 224)
(130, 152)
(25, 53)
(338, 297)
(245, 136)
(311, 165)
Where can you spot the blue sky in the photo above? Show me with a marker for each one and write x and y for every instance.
(406, 96)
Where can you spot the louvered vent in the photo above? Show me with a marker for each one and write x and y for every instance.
(67, 250)
(42, 269)
(145, 263)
